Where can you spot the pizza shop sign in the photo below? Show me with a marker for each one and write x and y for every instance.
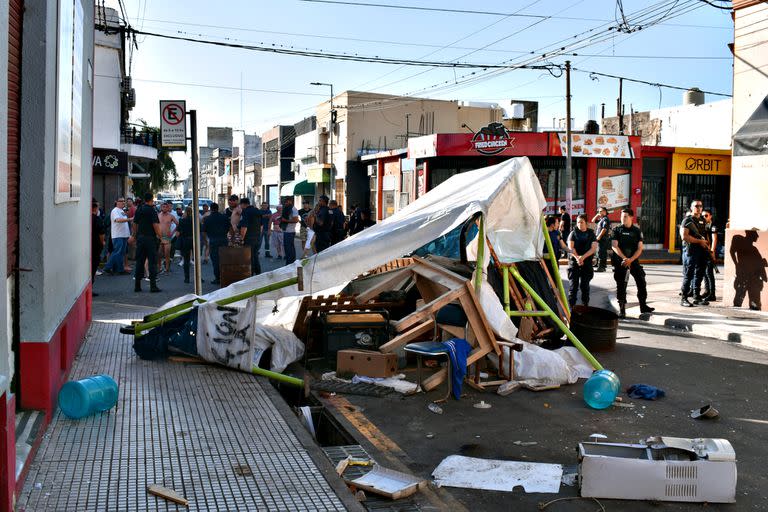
(492, 139)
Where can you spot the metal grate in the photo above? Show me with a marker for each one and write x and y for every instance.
(191, 428)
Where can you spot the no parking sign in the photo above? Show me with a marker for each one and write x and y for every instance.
(173, 124)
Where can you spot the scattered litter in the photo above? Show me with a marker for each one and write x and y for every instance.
(242, 469)
(430, 436)
(542, 505)
(595, 437)
(482, 405)
(546, 405)
(360, 496)
(622, 404)
(645, 391)
(38, 486)
(351, 461)
(397, 382)
(497, 475)
(706, 412)
(508, 387)
(569, 479)
(305, 418)
(388, 482)
(525, 443)
(168, 494)
(435, 408)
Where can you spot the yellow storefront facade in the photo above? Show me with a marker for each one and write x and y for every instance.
(703, 174)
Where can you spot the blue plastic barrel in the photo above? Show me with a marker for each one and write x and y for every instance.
(601, 389)
(81, 398)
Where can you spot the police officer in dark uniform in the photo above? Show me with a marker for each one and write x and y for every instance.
(323, 224)
(709, 274)
(603, 234)
(216, 225)
(583, 244)
(250, 232)
(627, 245)
(692, 231)
(565, 222)
(146, 232)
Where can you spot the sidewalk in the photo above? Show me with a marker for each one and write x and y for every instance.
(223, 439)
(737, 325)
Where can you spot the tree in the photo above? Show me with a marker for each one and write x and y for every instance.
(162, 171)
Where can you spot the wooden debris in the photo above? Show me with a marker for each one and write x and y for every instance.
(168, 494)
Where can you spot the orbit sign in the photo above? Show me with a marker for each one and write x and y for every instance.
(173, 124)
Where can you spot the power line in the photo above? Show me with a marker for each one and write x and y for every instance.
(328, 55)
(713, 4)
(214, 86)
(654, 84)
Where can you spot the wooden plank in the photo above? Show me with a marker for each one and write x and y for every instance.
(429, 290)
(565, 316)
(437, 277)
(426, 310)
(453, 330)
(300, 324)
(404, 338)
(390, 283)
(485, 336)
(437, 268)
(439, 377)
(168, 494)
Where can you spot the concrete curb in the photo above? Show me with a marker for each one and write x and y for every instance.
(673, 323)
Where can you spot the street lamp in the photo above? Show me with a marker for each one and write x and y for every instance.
(330, 137)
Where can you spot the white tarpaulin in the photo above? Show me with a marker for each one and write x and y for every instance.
(229, 335)
(497, 475)
(508, 194)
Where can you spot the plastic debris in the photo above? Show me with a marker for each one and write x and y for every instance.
(482, 405)
(435, 408)
(706, 412)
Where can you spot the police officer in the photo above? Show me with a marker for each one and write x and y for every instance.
(565, 222)
(323, 224)
(250, 232)
(603, 233)
(627, 245)
(216, 226)
(709, 274)
(692, 232)
(146, 232)
(583, 244)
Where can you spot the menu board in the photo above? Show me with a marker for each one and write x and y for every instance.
(597, 146)
(613, 188)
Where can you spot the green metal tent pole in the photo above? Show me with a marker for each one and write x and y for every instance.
(145, 326)
(480, 255)
(505, 280)
(543, 305)
(293, 381)
(555, 265)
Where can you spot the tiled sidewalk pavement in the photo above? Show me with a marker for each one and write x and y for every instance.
(197, 429)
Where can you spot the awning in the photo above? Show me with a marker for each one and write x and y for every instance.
(297, 188)
(752, 138)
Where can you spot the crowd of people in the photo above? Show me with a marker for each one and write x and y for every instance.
(157, 233)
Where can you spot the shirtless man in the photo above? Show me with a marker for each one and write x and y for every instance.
(167, 227)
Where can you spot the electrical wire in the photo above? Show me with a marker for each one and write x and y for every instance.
(723, 7)
(645, 82)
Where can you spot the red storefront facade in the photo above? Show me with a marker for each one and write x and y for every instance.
(612, 178)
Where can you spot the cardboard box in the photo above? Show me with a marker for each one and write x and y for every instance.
(366, 362)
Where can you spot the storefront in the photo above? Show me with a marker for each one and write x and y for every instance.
(703, 174)
(110, 169)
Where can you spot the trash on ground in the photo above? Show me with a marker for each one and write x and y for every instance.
(396, 382)
(370, 363)
(622, 404)
(81, 398)
(435, 408)
(497, 475)
(601, 389)
(388, 482)
(242, 469)
(482, 404)
(525, 443)
(570, 479)
(660, 468)
(645, 391)
(305, 418)
(168, 494)
(706, 412)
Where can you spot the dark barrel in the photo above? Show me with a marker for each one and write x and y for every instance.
(595, 328)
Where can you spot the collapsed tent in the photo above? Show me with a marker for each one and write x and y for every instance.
(507, 195)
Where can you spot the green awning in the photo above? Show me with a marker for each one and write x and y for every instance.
(297, 188)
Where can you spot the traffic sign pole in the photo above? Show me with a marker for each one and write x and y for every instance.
(195, 210)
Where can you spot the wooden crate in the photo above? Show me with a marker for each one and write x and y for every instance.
(234, 264)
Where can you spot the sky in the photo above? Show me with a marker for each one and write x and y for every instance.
(681, 43)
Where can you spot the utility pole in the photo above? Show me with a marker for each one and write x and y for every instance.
(620, 107)
(568, 156)
(407, 127)
(195, 210)
(331, 123)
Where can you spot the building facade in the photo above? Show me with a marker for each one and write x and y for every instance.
(46, 120)
(278, 147)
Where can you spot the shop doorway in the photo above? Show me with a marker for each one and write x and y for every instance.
(714, 192)
(653, 205)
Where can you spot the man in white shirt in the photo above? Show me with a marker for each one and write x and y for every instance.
(288, 223)
(120, 231)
